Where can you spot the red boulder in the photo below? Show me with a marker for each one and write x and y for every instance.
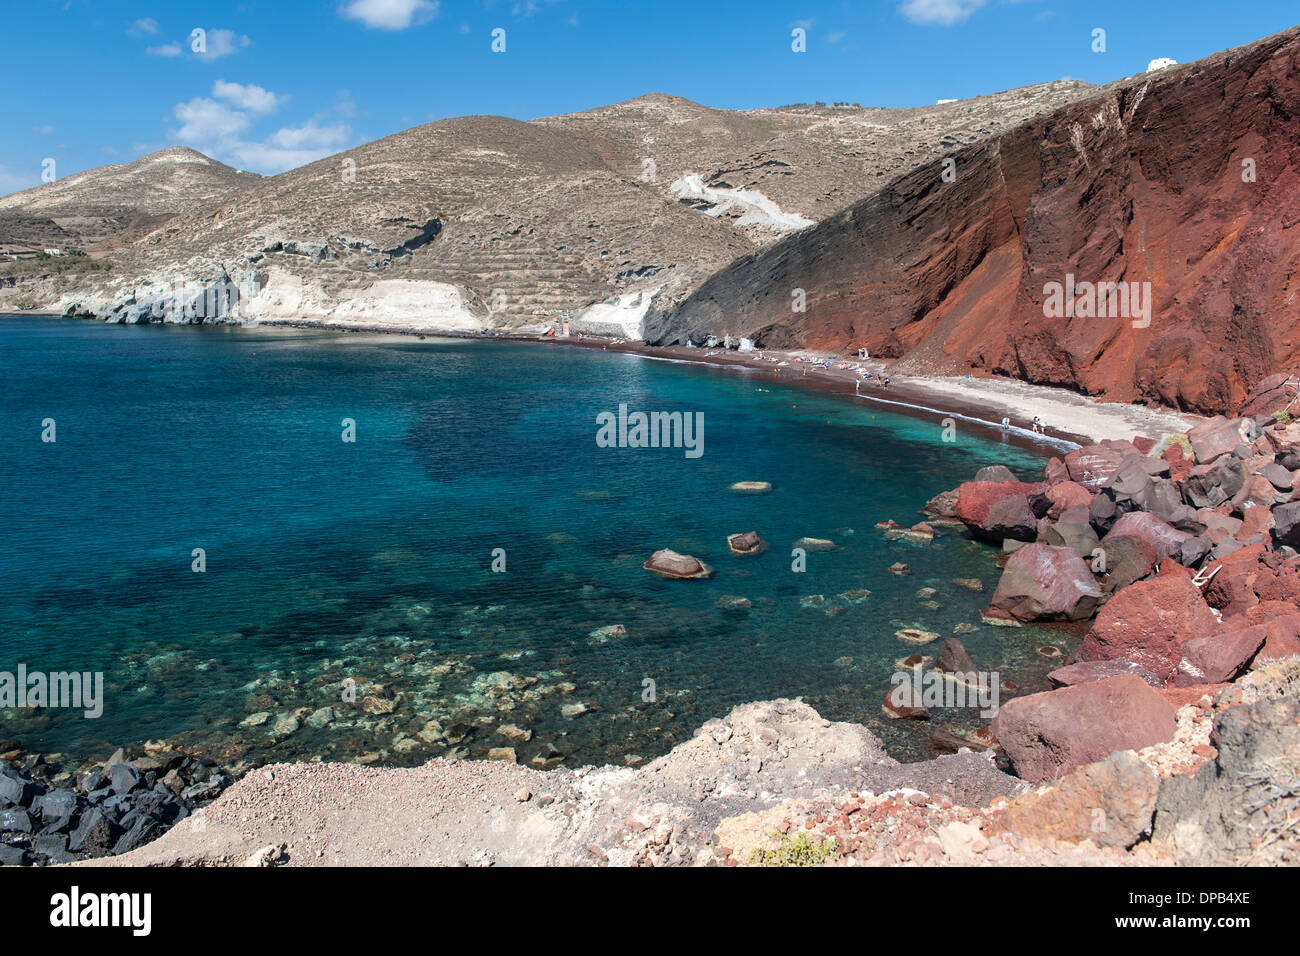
(1047, 735)
(1000, 509)
(1219, 658)
(1149, 622)
(1042, 582)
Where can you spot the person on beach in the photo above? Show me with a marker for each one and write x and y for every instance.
(1006, 422)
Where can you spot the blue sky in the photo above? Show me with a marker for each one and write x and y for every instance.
(277, 84)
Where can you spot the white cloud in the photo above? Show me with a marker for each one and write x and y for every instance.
(310, 136)
(837, 36)
(167, 49)
(248, 97)
(219, 43)
(390, 14)
(943, 13)
(267, 159)
(144, 25)
(220, 130)
(45, 130)
(206, 121)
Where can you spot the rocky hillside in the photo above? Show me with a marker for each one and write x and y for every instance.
(486, 220)
(1185, 179)
(115, 202)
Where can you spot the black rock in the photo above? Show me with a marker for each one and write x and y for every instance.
(147, 802)
(54, 846)
(1208, 486)
(15, 821)
(1194, 551)
(1286, 524)
(125, 778)
(56, 805)
(32, 761)
(94, 835)
(93, 780)
(12, 855)
(203, 791)
(16, 790)
(1103, 512)
(143, 829)
(159, 763)
(116, 804)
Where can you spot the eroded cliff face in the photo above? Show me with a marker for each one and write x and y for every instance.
(1187, 179)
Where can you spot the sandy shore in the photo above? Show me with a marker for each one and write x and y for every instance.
(1071, 419)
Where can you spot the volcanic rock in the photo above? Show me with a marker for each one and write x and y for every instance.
(1042, 582)
(1046, 735)
(747, 542)
(1218, 658)
(1084, 672)
(670, 564)
(1148, 623)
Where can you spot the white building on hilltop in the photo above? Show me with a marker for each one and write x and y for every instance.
(1160, 62)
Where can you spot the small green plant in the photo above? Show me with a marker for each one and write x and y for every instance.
(1282, 418)
(1176, 439)
(794, 851)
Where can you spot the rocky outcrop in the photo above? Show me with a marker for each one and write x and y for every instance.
(1185, 180)
(49, 815)
(1240, 808)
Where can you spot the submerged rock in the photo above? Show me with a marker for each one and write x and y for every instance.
(914, 635)
(903, 702)
(745, 543)
(610, 632)
(815, 544)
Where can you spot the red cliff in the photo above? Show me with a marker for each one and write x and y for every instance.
(1187, 179)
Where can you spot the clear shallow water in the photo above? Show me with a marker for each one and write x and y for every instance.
(371, 561)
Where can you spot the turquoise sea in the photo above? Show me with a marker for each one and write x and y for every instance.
(349, 610)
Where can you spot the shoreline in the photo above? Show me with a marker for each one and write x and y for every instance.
(1073, 420)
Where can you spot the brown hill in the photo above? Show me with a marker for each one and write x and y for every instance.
(120, 201)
